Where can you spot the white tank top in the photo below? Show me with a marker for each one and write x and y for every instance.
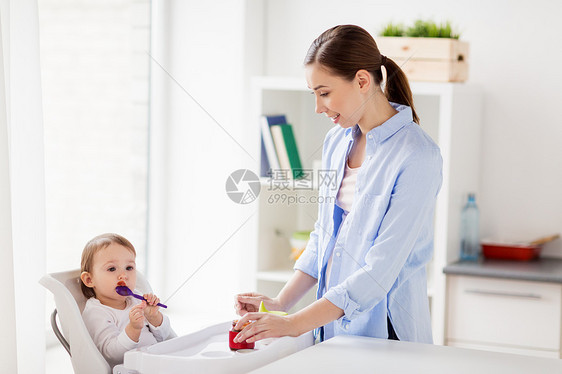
(344, 200)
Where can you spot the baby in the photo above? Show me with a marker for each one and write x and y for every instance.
(118, 323)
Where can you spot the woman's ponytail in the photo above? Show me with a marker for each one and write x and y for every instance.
(397, 88)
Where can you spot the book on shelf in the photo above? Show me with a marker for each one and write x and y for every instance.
(269, 159)
(287, 151)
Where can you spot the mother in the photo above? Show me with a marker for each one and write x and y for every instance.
(368, 251)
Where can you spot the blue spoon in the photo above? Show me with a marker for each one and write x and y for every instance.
(126, 291)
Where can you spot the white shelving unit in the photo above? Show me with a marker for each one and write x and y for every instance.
(450, 113)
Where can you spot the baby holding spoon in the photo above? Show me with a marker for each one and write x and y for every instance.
(115, 322)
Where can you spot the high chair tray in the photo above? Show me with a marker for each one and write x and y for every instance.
(206, 351)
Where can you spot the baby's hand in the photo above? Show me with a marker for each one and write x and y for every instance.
(151, 312)
(136, 316)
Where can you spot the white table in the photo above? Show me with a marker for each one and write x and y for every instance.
(352, 354)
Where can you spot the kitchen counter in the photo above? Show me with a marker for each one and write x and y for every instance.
(539, 270)
(355, 354)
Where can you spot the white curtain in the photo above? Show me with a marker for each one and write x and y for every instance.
(8, 311)
(22, 190)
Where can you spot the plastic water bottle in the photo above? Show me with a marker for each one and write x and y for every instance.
(470, 234)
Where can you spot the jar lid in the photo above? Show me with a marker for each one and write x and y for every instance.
(234, 322)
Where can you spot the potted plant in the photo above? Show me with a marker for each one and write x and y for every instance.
(426, 51)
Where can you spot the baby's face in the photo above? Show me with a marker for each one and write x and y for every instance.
(113, 264)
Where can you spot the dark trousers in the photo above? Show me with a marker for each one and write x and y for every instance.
(391, 332)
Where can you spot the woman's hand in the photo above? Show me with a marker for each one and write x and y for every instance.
(250, 302)
(151, 311)
(265, 325)
(269, 325)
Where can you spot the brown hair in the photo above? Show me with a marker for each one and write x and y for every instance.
(92, 247)
(345, 49)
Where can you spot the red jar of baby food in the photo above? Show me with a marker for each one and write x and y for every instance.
(232, 334)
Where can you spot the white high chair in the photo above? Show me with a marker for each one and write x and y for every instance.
(70, 302)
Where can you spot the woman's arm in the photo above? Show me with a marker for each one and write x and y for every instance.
(268, 325)
(292, 292)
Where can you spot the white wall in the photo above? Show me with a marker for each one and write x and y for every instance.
(199, 50)
(515, 57)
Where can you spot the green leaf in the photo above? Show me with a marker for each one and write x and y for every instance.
(393, 30)
(421, 29)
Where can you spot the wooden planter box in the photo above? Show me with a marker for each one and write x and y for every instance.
(428, 59)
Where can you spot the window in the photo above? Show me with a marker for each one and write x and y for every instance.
(95, 81)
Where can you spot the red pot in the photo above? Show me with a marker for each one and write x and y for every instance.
(232, 334)
(516, 252)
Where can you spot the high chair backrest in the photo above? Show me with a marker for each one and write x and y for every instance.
(70, 302)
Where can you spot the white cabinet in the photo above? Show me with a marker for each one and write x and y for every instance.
(504, 315)
(450, 113)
